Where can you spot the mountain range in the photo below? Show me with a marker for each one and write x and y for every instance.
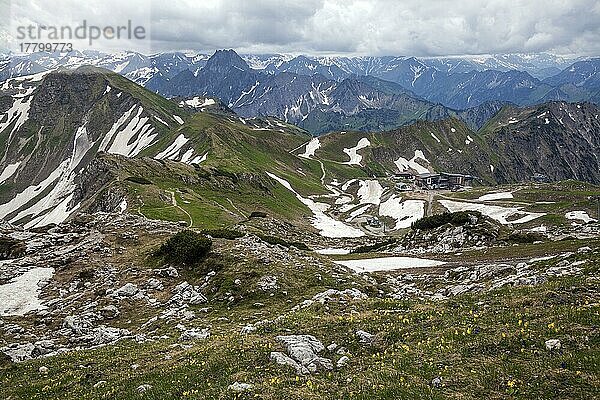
(88, 139)
(324, 94)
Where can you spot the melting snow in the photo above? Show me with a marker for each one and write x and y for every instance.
(197, 102)
(500, 214)
(579, 215)
(370, 192)
(403, 164)
(178, 119)
(138, 129)
(332, 251)
(435, 137)
(496, 196)
(389, 263)
(311, 147)
(21, 294)
(356, 158)
(327, 226)
(172, 152)
(404, 212)
(468, 140)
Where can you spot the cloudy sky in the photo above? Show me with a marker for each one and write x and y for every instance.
(348, 27)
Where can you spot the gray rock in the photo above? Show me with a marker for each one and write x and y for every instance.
(143, 388)
(553, 344)
(109, 312)
(342, 361)
(364, 337)
(238, 387)
(195, 334)
(304, 350)
(436, 382)
(43, 370)
(18, 352)
(282, 359)
(127, 290)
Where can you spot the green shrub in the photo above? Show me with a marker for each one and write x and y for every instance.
(228, 234)
(185, 247)
(372, 247)
(525, 237)
(138, 179)
(437, 220)
(258, 214)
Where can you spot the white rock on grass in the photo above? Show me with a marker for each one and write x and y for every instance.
(553, 344)
(282, 359)
(238, 387)
(304, 350)
(342, 361)
(195, 334)
(364, 337)
(143, 388)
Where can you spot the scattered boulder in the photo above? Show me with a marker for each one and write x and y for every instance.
(304, 349)
(109, 312)
(282, 359)
(195, 334)
(364, 337)
(143, 388)
(342, 361)
(127, 290)
(43, 370)
(553, 344)
(238, 387)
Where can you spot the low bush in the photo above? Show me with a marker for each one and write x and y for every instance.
(138, 179)
(437, 220)
(525, 237)
(185, 247)
(372, 247)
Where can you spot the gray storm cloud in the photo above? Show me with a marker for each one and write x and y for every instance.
(357, 27)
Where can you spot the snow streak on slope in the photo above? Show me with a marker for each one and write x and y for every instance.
(9, 171)
(404, 165)
(173, 152)
(500, 214)
(326, 225)
(352, 152)
(496, 196)
(138, 129)
(54, 206)
(404, 212)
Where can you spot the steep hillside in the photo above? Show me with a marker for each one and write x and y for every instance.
(557, 140)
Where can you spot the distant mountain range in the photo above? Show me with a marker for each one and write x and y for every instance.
(323, 94)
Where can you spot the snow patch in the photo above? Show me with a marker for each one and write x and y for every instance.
(370, 192)
(9, 171)
(21, 294)
(579, 215)
(326, 225)
(311, 147)
(389, 263)
(352, 152)
(403, 164)
(500, 214)
(404, 212)
(496, 196)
